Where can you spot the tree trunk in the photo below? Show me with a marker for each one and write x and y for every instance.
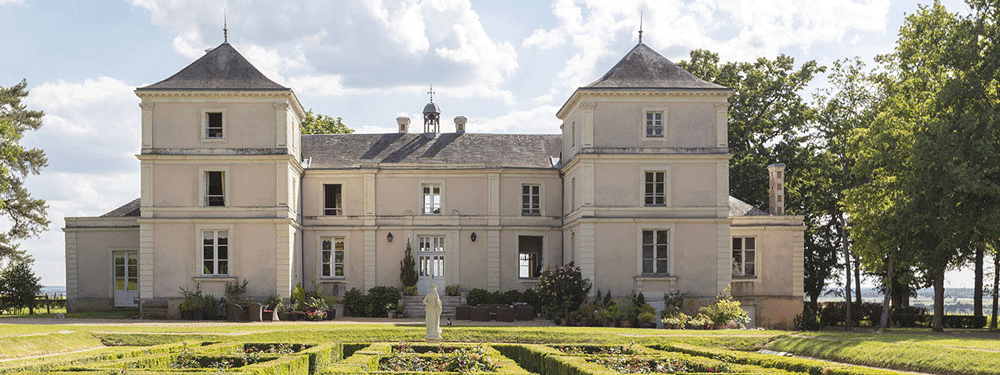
(996, 286)
(847, 286)
(938, 302)
(977, 294)
(884, 322)
(857, 279)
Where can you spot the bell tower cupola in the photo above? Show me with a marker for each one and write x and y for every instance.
(432, 116)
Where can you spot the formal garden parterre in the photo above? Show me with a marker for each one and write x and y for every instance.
(341, 358)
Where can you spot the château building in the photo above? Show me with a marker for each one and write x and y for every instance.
(635, 191)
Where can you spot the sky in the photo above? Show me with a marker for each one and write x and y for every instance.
(505, 65)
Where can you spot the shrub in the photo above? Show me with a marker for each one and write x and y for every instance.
(478, 296)
(530, 296)
(379, 300)
(563, 288)
(193, 300)
(646, 317)
(808, 320)
(209, 306)
(19, 285)
(410, 291)
(676, 321)
(355, 302)
(298, 295)
(909, 317)
(509, 297)
(452, 290)
(673, 303)
(725, 312)
(235, 291)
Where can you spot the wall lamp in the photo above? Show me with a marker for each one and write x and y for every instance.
(388, 237)
(473, 236)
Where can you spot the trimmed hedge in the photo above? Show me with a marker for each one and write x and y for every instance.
(800, 365)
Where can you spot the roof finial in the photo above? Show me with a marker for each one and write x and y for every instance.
(431, 92)
(640, 27)
(225, 26)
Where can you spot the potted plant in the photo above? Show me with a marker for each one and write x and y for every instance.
(390, 310)
(452, 290)
(400, 308)
(191, 308)
(646, 320)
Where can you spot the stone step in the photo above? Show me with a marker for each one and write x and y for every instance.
(415, 306)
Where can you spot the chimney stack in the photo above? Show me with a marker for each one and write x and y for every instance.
(776, 188)
(460, 124)
(404, 124)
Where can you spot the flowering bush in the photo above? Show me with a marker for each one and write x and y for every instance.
(563, 287)
(725, 313)
(461, 360)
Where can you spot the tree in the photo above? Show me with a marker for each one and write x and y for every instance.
(323, 124)
(407, 268)
(19, 286)
(932, 151)
(25, 214)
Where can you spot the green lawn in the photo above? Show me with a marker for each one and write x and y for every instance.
(952, 353)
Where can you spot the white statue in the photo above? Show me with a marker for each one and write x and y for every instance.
(432, 314)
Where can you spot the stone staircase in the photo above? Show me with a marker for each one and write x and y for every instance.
(415, 306)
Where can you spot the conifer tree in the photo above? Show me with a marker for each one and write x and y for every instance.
(407, 268)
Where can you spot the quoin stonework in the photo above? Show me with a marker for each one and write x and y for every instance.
(635, 191)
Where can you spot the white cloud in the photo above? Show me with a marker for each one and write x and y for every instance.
(736, 29)
(538, 120)
(374, 44)
(90, 133)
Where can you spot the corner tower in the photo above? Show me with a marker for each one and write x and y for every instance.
(646, 171)
(220, 182)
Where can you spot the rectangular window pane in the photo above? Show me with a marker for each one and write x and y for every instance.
(209, 268)
(120, 271)
(751, 243)
(326, 270)
(333, 198)
(339, 271)
(223, 267)
(215, 194)
(647, 266)
(214, 127)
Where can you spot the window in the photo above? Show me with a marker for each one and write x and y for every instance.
(655, 192)
(654, 124)
(572, 194)
(215, 189)
(432, 199)
(529, 256)
(332, 256)
(213, 125)
(431, 244)
(531, 200)
(429, 264)
(744, 257)
(654, 252)
(333, 201)
(215, 252)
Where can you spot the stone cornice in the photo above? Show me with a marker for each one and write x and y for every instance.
(144, 94)
(580, 93)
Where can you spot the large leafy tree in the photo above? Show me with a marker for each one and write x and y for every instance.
(322, 124)
(769, 122)
(26, 215)
(932, 152)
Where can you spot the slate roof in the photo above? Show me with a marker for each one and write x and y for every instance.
(741, 208)
(644, 68)
(128, 210)
(222, 69)
(338, 151)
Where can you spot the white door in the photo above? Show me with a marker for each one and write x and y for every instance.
(126, 269)
(430, 264)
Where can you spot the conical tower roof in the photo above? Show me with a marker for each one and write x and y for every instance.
(221, 69)
(643, 68)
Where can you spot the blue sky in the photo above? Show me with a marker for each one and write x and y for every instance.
(506, 65)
